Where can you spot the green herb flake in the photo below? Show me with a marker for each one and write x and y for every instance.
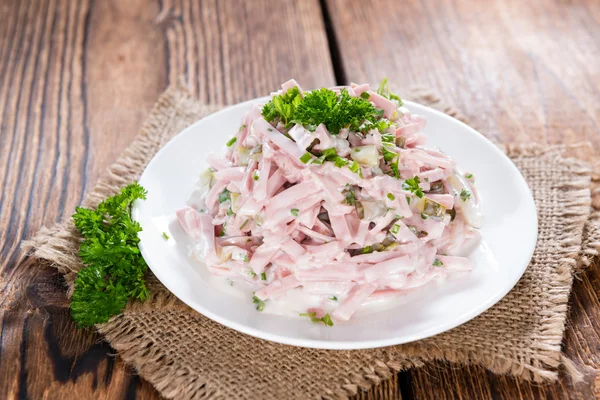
(333, 298)
(231, 141)
(224, 196)
(246, 259)
(263, 276)
(469, 176)
(465, 195)
(350, 196)
(365, 95)
(388, 138)
(306, 157)
(437, 263)
(423, 215)
(294, 212)
(354, 167)
(256, 175)
(395, 229)
(113, 268)
(164, 234)
(412, 185)
(408, 200)
(251, 273)
(326, 319)
(391, 196)
(260, 305)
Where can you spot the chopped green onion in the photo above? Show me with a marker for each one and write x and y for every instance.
(251, 273)
(231, 141)
(333, 298)
(383, 89)
(340, 162)
(260, 305)
(395, 169)
(391, 196)
(230, 212)
(408, 200)
(256, 175)
(354, 167)
(412, 185)
(246, 259)
(365, 95)
(244, 224)
(263, 276)
(468, 176)
(306, 157)
(388, 137)
(242, 127)
(395, 229)
(329, 152)
(294, 212)
(387, 154)
(165, 236)
(423, 215)
(437, 263)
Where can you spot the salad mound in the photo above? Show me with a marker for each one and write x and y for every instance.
(328, 200)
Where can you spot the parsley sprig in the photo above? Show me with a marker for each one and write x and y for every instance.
(113, 269)
(322, 106)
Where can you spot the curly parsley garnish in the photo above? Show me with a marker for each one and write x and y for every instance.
(283, 106)
(113, 268)
(322, 106)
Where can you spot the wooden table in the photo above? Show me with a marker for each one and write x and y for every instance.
(77, 78)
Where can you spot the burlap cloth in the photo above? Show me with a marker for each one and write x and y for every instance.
(186, 355)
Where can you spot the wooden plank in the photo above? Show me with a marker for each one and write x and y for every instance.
(77, 78)
(520, 71)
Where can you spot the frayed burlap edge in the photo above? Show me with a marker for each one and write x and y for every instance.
(57, 244)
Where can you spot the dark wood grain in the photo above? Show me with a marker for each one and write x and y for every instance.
(77, 78)
(520, 71)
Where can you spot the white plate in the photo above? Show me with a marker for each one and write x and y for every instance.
(509, 234)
